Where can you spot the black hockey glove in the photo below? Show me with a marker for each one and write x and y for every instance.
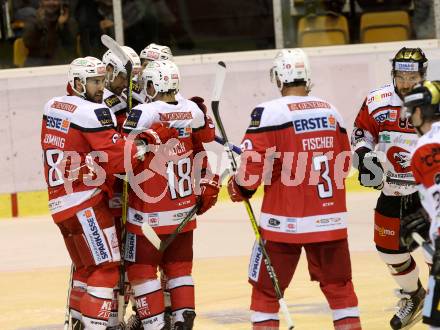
(370, 169)
(435, 269)
(417, 222)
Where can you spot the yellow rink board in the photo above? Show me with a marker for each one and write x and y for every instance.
(34, 203)
(35, 299)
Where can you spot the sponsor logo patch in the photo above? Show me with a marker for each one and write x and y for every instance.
(94, 236)
(256, 115)
(255, 262)
(111, 101)
(58, 124)
(291, 225)
(170, 116)
(378, 97)
(385, 115)
(314, 124)
(308, 105)
(184, 131)
(133, 118)
(104, 116)
(64, 106)
(153, 219)
(130, 247)
(272, 222)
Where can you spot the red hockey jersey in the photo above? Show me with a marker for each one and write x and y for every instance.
(166, 191)
(298, 147)
(378, 126)
(425, 162)
(73, 131)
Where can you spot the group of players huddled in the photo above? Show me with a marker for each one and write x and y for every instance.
(296, 145)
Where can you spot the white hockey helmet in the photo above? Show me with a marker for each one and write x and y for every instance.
(118, 67)
(164, 75)
(154, 52)
(83, 68)
(291, 65)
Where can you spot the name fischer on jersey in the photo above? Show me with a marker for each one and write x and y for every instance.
(321, 142)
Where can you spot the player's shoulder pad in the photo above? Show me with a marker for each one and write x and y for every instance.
(380, 97)
(198, 119)
(86, 115)
(268, 115)
(141, 116)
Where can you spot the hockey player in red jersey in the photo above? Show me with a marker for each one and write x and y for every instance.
(379, 127)
(80, 149)
(298, 146)
(116, 81)
(423, 109)
(172, 188)
(153, 52)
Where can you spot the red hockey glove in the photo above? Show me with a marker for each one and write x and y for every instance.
(238, 193)
(207, 133)
(208, 194)
(158, 133)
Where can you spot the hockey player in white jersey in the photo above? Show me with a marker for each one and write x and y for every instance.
(116, 81)
(76, 129)
(379, 128)
(153, 52)
(423, 108)
(172, 191)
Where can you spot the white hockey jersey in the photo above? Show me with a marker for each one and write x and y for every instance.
(378, 126)
(166, 194)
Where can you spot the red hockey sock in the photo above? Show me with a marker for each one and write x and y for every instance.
(349, 323)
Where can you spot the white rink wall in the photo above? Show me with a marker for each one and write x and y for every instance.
(343, 75)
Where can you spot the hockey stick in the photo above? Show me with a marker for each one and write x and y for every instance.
(219, 80)
(422, 243)
(67, 313)
(116, 49)
(234, 148)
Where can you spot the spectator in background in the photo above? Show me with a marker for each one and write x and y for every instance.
(423, 19)
(94, 18)
(50, 36)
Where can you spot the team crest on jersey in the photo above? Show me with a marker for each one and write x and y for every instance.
(256, 115)
(104, 116)
(400, 159)
(111, 101)
(133, 118)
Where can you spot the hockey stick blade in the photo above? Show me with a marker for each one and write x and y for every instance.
(423, 244)
(151, 235)
(219, 80)
(116, 49)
